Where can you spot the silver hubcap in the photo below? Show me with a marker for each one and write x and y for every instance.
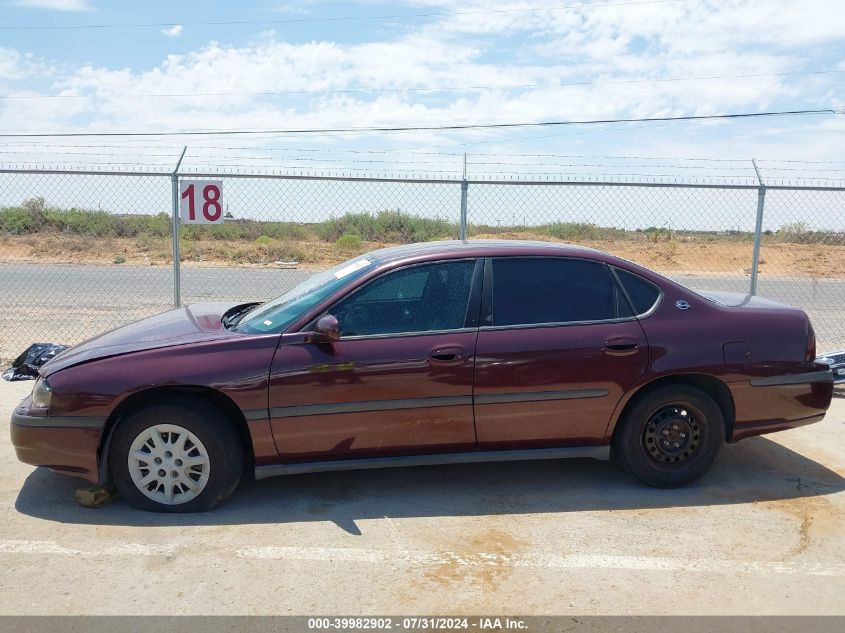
(169, 464)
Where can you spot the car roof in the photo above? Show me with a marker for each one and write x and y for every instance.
(480, 248)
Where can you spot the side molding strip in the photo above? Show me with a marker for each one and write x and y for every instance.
(423, 403)
(535, 396)
(793, 379)
(64, 422)
(370, 405)
(471, 457)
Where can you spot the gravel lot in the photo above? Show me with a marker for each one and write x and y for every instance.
(764, 533)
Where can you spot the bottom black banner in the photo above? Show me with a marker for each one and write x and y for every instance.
(529, 624)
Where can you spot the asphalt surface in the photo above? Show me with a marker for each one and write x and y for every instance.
(763, 533)
(66, 304)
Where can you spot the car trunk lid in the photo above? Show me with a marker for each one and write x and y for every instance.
(742, 300)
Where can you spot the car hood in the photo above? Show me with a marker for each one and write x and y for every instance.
(191, 324)
(739, 300)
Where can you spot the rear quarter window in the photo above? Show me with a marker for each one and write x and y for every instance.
(643, 294)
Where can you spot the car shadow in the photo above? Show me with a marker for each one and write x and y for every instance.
(754, 470)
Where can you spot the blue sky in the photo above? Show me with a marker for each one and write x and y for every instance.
(631, 58)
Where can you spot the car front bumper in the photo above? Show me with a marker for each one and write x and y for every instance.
(836, 361)
(67, 445)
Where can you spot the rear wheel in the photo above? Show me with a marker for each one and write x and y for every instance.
(176, 456)
(671, 436)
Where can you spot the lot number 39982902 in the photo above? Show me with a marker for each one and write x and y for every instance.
(200, 201)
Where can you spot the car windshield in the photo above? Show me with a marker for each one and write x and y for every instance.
(279, 313)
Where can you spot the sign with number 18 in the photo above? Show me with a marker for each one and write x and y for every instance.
(200, 201)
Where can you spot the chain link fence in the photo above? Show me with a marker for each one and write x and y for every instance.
(82, 252)
(276, 221)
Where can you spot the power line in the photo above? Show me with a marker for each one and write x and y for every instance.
(422, 128)
(362, 18)
(272, 93)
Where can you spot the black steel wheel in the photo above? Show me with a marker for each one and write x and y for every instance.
(673, 434)
(670, 436)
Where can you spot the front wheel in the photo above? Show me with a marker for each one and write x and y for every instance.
(177, 456)
(671, 436)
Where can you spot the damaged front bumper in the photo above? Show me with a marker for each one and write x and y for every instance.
(66, 445)
(836, 361)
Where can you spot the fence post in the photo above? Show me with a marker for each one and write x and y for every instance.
(174, 192)
(462, 231)
(758, 228)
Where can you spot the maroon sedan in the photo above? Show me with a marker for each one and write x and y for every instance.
(426, 354)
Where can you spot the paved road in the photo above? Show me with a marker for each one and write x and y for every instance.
(762, 534)
(69, 303)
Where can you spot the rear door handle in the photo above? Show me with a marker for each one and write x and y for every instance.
(447, 356)
(620, 346)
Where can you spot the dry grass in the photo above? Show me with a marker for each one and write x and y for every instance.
(669, 255)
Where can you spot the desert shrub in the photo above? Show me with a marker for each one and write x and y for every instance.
(361, 224)
(146, 242)
(233, 231)
(794, 228)
(133, 225)
(35, 205)
(263, 239)
(119, 259)
(573, 231)
(800, 233)
(283, 251)
(387, 226)
(394, 226)
(265, 254)
(285, 230)
(17, 221)
(189, 251)
(348, 242)
(81, 222)
(489, 229)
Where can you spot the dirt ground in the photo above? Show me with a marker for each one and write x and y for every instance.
(676, 256)
(764, 533)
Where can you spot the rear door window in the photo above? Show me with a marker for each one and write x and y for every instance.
(537, 290)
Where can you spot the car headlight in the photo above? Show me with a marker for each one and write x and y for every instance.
(41, 393)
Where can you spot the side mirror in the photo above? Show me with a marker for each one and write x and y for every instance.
(326, 330)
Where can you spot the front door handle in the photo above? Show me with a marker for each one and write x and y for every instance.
(622, 346)
(447, 356)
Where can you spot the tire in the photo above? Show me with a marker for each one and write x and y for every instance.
(670, 437)
(184, 444)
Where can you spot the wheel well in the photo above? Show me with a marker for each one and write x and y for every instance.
(714, 387)
(156, 395)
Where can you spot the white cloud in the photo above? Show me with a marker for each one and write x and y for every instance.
(290, 8)
(276, 66)
(11, 66)
(56, 5)
(605, 45)
(17, 66)
(173, 31)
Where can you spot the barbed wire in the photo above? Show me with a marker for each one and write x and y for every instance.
(332, 151)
